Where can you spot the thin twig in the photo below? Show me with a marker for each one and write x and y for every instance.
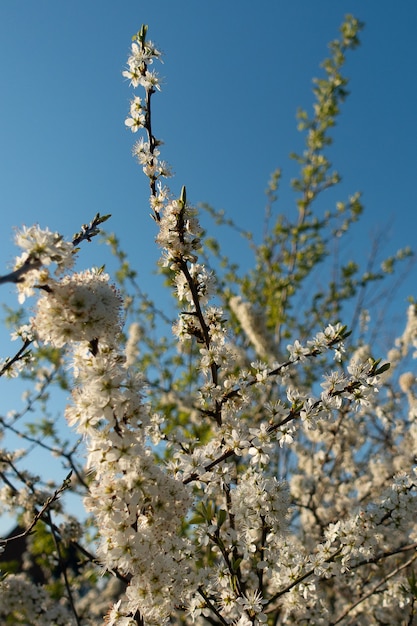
(40, 513)
(373, 589)
(63, 568)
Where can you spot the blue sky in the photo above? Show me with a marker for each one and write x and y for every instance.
(234, 74)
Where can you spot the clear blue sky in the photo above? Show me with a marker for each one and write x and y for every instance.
(234, 74)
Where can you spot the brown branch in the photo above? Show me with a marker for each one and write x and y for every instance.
(63, 568)
(16, 276)
(373, 589)
(20, 354)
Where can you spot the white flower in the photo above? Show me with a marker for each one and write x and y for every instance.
(41, 248)
(81, 307)
(297, 351)
(45, 246)
(252, 602)
(136, 122)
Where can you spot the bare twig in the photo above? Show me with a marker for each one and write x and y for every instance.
(63, 568)
(39, 514)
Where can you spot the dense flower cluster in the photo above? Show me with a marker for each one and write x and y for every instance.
(41, 248)
(179, 235)
(81, 307)
(137, 505)
(28, 603)
(253, 326)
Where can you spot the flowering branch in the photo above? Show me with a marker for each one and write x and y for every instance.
(44, 247)
(41, 513)
(227, 491)
(374, 588)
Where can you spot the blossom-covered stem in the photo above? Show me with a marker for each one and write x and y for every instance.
(142, 52)
(34, 261)
(149, 91)
(205, 332)
(196, 301)
(294, 413)
(233, 571)
(43, 248)
(152, 140)
(341, 334)
(237, 570)
(20, 354)
(385, 555)
(270, 605)
(373, 589)
(207, 468)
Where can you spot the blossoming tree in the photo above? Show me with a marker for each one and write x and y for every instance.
(256, 466)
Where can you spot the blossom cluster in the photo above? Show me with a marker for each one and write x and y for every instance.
(179, 236)
(40, 248)
(137, 505)
(28, 603)
(143, 54)
(80, 307)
